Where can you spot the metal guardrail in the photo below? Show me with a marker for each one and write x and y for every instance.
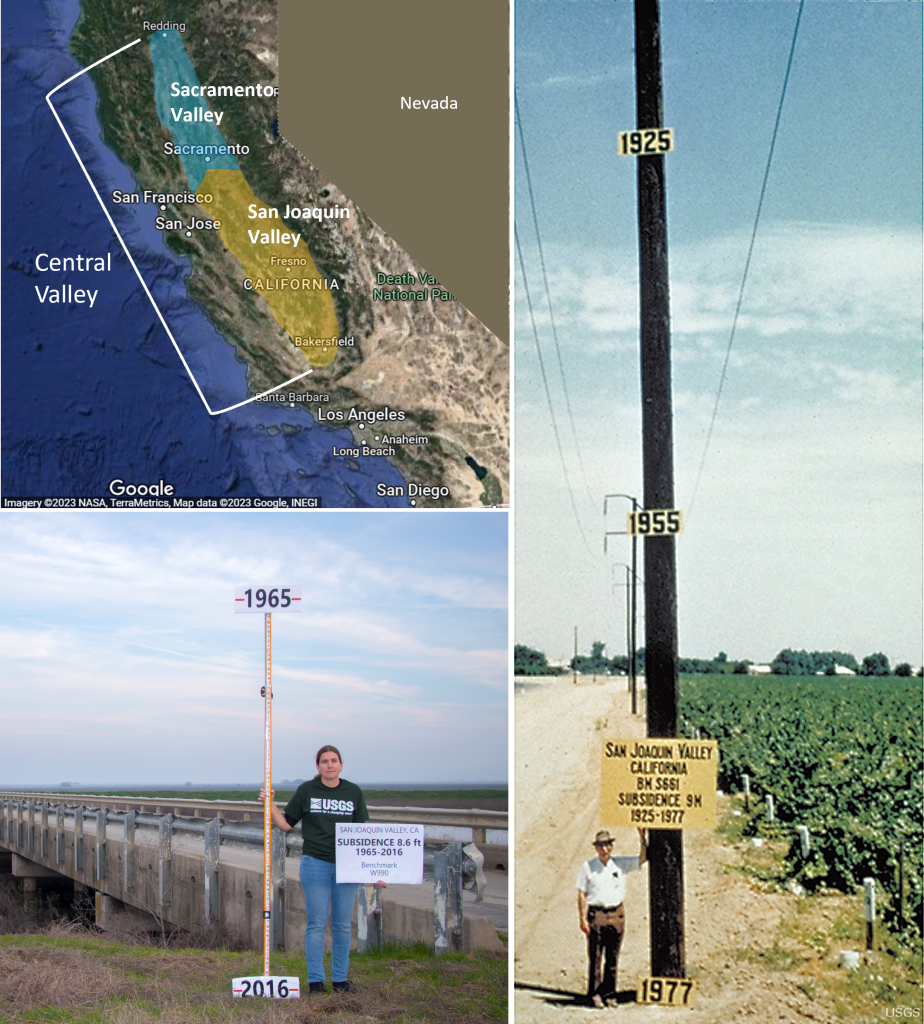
(17, 831)
(252, 810)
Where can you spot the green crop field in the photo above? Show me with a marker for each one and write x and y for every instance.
(840, 756)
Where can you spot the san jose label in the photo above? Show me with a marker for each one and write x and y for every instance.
(659, 783)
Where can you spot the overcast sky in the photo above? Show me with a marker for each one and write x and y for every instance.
(122, 659)
(806, 528)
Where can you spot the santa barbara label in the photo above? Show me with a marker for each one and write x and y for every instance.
(646, 142)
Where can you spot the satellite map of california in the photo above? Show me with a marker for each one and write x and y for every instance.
(194, 313)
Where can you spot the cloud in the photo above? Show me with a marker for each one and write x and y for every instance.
(835, 280)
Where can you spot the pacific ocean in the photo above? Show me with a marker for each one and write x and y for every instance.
(94, 394)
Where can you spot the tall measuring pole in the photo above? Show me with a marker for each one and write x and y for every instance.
(665, 848)
(259, 600)
(267, 788)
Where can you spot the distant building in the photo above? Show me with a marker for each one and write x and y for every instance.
(759, 670)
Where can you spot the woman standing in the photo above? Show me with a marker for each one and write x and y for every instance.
(319, 805)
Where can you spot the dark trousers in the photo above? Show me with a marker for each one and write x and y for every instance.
(606, 929)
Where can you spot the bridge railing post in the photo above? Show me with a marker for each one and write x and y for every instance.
(44, 828)
(447, 898)
(278, 888)
(78, 837)
(101, 843)
(30, 841)
(128, 851)
(164, 880)
(369, 918)
(19, 824)
(212, 846)
(59, 834)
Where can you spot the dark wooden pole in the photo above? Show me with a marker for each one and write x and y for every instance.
(665, 849)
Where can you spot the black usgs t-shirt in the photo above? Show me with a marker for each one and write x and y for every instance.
(320, 807)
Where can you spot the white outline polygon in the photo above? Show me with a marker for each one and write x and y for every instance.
(211, 412)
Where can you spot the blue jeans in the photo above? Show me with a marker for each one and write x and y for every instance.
(324, 894)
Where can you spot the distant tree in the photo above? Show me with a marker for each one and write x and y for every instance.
(721, 656)
(619, 664)
(528, 662)
(875, 665)
(831, 670)
(793, 663)
(904, 669)
(741, 668)
(920, 672)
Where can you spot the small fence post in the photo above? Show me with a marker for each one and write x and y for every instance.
(447, 898)
(869, 908)
(44, 828)
(59, 834)
(165, 854)
(278, 888)
(101, 843)
(804, 839)
(769, 800)
(78, 837)
(747, 793)
(128, 851)
(901, 885)
(212, 843)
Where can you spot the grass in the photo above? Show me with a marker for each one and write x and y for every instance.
(47, 978)
(55, 968)
(286, 794)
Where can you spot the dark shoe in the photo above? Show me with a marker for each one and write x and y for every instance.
(316, 988)
(343, 986)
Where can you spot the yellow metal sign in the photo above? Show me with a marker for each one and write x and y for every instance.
(659, 783)
(646, 142)
(655, 522)
(666, 991)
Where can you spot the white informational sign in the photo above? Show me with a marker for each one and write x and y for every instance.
(267, 599)
(373, 852)
(267, 988)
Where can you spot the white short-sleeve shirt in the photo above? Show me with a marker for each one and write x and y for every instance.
(604, 885)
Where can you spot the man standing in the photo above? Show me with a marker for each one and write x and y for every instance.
(601, 888)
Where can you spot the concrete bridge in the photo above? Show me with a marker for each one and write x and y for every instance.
(193, 864)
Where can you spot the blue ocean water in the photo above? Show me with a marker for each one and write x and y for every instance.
(91, 394)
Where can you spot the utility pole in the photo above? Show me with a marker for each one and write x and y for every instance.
(574, 663)
(631, 648)
(665, 848)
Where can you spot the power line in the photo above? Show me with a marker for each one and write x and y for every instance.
(548, 396)
(548, 294)
(747, 263)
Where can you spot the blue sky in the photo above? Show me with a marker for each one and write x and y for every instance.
(123, 660)
(806, 526)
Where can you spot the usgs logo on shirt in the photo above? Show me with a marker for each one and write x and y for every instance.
(325, 806)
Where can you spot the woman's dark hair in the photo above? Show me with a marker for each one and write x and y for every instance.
(325, 750)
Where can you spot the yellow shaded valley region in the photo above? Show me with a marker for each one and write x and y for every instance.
(282, 272)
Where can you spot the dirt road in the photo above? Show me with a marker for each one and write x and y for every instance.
(558, 728)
